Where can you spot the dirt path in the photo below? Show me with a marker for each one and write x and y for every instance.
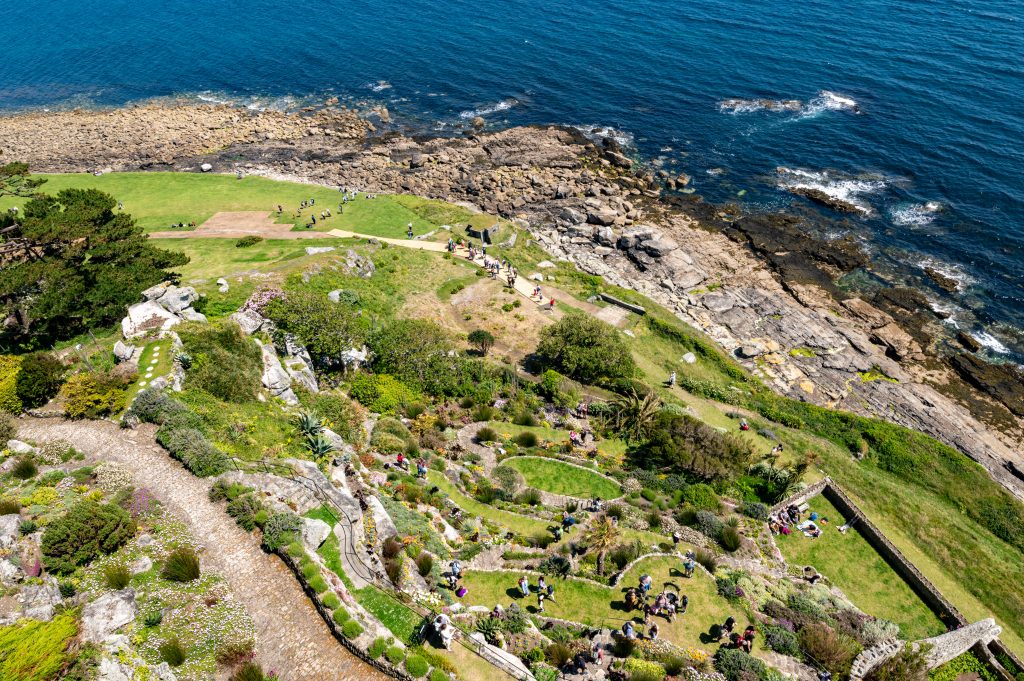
(292, 638)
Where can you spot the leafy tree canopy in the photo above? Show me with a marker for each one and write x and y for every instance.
(71, 263)
(586, 349)
(682, 444)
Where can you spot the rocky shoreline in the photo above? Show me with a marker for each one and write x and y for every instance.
(756, 284)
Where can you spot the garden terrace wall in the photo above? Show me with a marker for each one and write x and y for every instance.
(636, 309)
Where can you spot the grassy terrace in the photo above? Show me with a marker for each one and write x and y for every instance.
(592, 604)
(158, 200)
(557, 477)
(854, 566)
(521, 524)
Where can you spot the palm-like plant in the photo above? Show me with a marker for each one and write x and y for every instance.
(319, 446)
(601, 537)
(310, 423)
(633, 414)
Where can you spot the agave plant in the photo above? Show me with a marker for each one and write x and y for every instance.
(184, 360)
(309, 423)
(319, 446)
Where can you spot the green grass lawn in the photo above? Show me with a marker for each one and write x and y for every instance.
(596, 605)
(557, 477)
(158, 200)
(162, 367)
(850, 562)
(520, 524)
(611, 447)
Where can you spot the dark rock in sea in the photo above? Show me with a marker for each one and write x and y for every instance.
(820, 197)
(1003, 382)
(968, 341)
(941, 280)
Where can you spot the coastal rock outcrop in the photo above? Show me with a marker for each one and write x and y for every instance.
(164, 306)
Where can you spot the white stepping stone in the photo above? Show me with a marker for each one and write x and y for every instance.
(142, 384)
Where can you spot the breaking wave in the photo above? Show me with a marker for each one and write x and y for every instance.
(840, 188)
(826, 100)
(503, 105)
(915, 215)
(989, 341)
(596, 133)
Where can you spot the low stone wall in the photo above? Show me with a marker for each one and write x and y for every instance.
(803, 495)
(636, 309)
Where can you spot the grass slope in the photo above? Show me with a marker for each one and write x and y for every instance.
(854, 566)
(557, 477)
(513, 521)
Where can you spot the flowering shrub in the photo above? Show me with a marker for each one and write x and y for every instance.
(112, 476)
(142, 502)
(55, 452)
(261, 298)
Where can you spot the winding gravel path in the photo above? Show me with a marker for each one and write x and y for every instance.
(292, 638)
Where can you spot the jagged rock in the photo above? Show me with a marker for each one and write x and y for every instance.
(222, 285)
(123, 351)
(717, 301)
(9, 530)
(604, 217)
(249, 320)
(749, 351)
(9, 572)
(190, 315)
(111, 669)
(174, 299)
(619, 160)
(659, 247)
(536, 276)
(107, 614)
(900, 343)
(359, 265)
(1004, 382)
(275, 379)
(19, 447)
(337, 442)
(314, 533)
(206, 167)
(314, 250)
(572, 216)
(141, 564)
(818, 196)
(145, 317)
(39, 601)
(968, 341)
(689, 278)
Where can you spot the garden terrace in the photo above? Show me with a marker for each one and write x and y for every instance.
(520, 524)
(558, 477)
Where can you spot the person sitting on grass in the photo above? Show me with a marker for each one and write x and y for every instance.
(652, 631)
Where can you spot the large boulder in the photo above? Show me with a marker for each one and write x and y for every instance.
(107, 614)
(315, 250)
(19, 447)
(249, 320)
(275, 379)
(314, 533)
(39, 601)
(9, 572)
(145, 317)
(123, 351)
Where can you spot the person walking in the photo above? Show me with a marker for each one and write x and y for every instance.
(540, 600)
(524, 585)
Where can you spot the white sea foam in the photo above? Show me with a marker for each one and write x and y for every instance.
(826, 100)
(596, 133)
(991, 342)
(379, 86)
(503, 105)
(915, 214)
(851, 190)
(950, 271)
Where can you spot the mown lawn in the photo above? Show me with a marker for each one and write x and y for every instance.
(159, 351)
(520, 524)
(159, 200)
(850, 562)
(557, 477)
(596, 605)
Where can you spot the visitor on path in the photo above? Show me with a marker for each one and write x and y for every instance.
(744, 425)
(676, 538)
(453, 581)
(551, 304)
(524, 585)
(689, 564)
(312, 216)
(597, 652)
(408, 230)
(671, 379)
(445, 630)
(120, 206)
(280, 209)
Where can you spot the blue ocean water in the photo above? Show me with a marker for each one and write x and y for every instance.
(912, 110)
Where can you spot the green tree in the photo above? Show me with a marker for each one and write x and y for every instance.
(73, 263)
(601, 537)
(15, 180)
(585, 349)
(39, 380)
(420, 354)
(483, 340)
(83, 533)
(681, 443)
(326, 329)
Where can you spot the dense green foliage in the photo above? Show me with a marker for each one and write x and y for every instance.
(736, 665)
(326, 329)
(36, 651)
(280, 530)
(182, 565)
(586, 349)
(421, 355)
(89, 262)
(9, 400)
(964, 665)
(225, 363)
(85, 531)
(93, 395)
(482, 340)
(679, 443)
(191, 447)
(909, 664)
(39, 380)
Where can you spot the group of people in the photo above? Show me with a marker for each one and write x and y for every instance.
(543, 590)
(785, 521)
(403, 463)
(744, 641)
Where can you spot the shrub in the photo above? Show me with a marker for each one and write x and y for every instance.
(391, 547)
(248, 241)
(153, 619)
(530, 497)
(225, 363)
(172, 652)
(645, 670)
(377, 648)
(555, 565)
(707, 559)
(730, 538)
(318, 584)
(7, 428)
(755, 510)
(654, 520)
(340, 616)
(249, 671)
(830, 649)
(331, 601)
(83, 532)
(327, 331)
(309, 569)
(388, 443)
(482, 340)
(525, 418)
(416, 666)
(486, 435)
(484, 412)
(393, 568)
(680, 443)
(116, 576)
(9, 505)
(9, 367)
(673, 664)
(39, 379)
(351, 629)
(182, 565)
(736, 665)
(395, 654)
(191, 447)
(27, 527)
(782, 641)
(380, 392)
(24, 468)
(424, 563)
(154, 406)
(558, 654)
(709, 524)
(244, 509)
(527, 439)
(586, 349)
(509, 480)
(438, 675)
(94, 395)
(36, 651)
